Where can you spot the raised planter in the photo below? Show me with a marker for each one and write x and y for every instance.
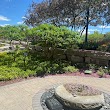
(80, 101)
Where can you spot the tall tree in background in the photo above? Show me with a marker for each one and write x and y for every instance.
(18, 32)
(77, 14)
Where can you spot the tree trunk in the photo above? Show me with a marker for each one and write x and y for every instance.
(87, 24)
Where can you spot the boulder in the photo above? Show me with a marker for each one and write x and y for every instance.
(77, 101)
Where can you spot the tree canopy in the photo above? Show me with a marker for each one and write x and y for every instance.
(72, 13)
(18, 32)
(69, 12)
(48, 35)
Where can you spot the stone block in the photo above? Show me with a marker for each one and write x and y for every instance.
(87, 60)
(68, 57)
(103, 62)
(94, 61)
(80, 53)
(77, 59)
(59, 56)
(59, 51)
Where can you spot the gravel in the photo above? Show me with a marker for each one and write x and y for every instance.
(79, 89)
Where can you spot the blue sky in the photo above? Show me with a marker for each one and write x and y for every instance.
(99, 28)
(13, 11)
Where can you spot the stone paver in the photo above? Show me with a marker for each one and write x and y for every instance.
(19, 96)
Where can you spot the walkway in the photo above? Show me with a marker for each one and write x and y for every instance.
(18, 96)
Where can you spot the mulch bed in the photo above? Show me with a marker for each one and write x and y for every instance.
(82, 74)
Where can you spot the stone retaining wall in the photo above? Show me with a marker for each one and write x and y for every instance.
(75, 56)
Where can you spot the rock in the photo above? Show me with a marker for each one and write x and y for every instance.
(59, 56)
(79, 102)
(88, 72)
(87, 60)
(77, 59)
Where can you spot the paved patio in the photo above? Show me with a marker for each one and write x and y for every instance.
(18, 96)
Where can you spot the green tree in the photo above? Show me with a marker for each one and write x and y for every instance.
(18, 32)
(48, 35)
(71, 13)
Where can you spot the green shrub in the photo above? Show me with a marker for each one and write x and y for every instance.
(103, 48)
(47, 67)
(55, 68)
(100, 72)
(1, 45)
(27, 73)
(89, 46)
(70, 69)
(94, 41)
(48, 35)
(9, 73)
(92, 66)
(95, 37)
(39, 71)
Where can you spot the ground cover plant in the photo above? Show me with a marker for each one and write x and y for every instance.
(15, 65)
(1, 45)
(9, 73)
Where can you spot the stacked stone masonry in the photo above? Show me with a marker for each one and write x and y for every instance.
(75, 56)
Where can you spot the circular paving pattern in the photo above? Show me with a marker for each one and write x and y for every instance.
(39, 100)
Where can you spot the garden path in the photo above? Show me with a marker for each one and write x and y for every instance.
(18, 96)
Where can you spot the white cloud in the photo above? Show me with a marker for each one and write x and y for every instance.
(85, 32)
(20, 22)
(3, 18)
(23, 17)
(104, 26)
(3, 25)
(92, 30)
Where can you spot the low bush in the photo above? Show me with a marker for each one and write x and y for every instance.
(70, 69)
(100, 72)
(49, 67)
(23, 66)
(9, 73)
(92, 66)
(103, 48)
(89, 46)
(1, 45)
